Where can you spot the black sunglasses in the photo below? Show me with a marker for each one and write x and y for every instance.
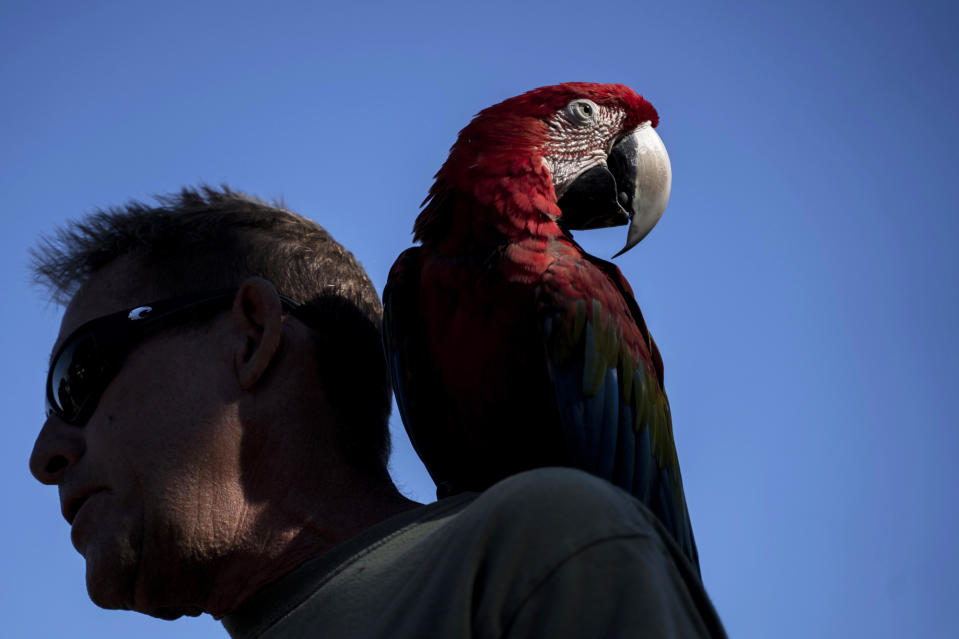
(91, 356)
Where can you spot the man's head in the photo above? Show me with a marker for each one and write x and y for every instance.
(195, 442)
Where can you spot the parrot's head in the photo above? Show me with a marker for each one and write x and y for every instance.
(579, 154)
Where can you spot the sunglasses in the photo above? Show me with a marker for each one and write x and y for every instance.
(92, 355)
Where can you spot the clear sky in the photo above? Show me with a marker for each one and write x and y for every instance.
(802, 284)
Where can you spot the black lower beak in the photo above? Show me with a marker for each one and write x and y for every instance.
(592, 202)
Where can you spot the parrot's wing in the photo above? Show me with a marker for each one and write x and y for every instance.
(607, 374)
(400, 330)
(428, 416)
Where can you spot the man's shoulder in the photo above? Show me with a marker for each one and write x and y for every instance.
(558, 538)
(554, 510)
(544, 496)
(567, 485)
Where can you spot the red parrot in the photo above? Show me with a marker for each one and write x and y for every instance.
(510, 347)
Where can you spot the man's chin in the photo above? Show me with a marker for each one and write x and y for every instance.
(109, 588)
(175, 613)
(169, 613)
(113, 585)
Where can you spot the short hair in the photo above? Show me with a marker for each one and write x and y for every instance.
(207, 239)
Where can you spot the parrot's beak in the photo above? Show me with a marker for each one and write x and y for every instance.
(640, 165)
(631, 187)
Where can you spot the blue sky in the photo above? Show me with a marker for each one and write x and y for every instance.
(802, 285)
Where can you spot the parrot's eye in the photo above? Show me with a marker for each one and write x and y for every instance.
(582, 111)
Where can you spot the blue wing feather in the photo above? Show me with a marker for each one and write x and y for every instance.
(614, 419)
(608, 397)
(626, 450)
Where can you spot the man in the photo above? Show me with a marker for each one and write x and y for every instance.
(217, 429)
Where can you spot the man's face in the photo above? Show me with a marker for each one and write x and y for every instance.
(152, 480)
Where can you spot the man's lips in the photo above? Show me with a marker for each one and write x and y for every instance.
(72, 504)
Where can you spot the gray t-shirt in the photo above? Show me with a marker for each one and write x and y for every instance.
(552, 553)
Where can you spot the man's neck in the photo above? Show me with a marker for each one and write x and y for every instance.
(291, 535)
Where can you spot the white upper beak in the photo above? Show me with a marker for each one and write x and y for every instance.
(653, 181)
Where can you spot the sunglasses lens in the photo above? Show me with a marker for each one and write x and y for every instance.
(74, 378)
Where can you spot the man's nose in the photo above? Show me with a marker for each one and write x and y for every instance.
(59, 446)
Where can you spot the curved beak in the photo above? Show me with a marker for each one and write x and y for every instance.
(640, 165)
(631, 187)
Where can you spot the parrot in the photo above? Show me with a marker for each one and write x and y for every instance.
(509, 346)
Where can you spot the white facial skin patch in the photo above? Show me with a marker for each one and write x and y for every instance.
(580, 136)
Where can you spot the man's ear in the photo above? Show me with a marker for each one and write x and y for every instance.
(258, 317)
